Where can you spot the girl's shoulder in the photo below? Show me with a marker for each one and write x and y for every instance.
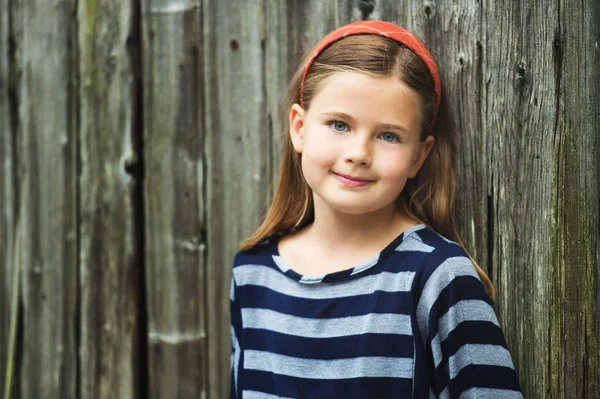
(432, 251)
(442, 265)
(429, 241)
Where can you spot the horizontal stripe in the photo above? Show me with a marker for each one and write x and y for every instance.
(450, 241)
(492, 355)
(485, 333)
(271, 278)
(488, 393)
(441, 277)
(329, 369)
(326, 328)
(285, 386)
(462, 288)
(330, 348)
(411, 244)
(261, 395)
(467, 310)
(482, 376)
(377, 302)
(435, 239)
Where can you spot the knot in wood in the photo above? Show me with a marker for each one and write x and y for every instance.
(366, 7)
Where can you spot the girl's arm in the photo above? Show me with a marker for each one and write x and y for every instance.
(465, 347)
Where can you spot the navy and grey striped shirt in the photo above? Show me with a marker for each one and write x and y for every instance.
(413, 322)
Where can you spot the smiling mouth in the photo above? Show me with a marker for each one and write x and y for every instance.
(352, 181)
(353, 178)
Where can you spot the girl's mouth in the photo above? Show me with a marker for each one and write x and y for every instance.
(352, 181)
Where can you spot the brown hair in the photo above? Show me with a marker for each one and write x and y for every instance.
(429, 197)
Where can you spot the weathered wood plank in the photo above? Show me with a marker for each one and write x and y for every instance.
(174, 198)
(519, 109)
(238, 154)
(575, 226)
(109, 183)
(46, 237)
(8, 190)
(14, 43)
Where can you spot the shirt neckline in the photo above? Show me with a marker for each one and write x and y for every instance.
(342, 274)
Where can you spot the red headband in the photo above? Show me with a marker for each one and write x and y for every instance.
(386, 29)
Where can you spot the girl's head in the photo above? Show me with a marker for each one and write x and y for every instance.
(359, 126)
(401, 143)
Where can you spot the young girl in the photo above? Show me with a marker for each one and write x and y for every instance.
(355, 286)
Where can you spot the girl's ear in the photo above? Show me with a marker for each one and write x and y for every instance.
(424, 149)
(297, 127)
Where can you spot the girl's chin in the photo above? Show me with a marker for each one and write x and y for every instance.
(356, 208)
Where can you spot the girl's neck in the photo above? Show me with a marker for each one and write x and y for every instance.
(338, 231)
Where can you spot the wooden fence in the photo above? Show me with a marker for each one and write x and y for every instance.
(138, 146)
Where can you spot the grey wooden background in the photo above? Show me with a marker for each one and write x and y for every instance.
(138, 146)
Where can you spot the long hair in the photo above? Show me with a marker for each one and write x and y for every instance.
(429, 197)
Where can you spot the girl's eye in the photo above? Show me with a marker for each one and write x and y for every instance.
(338, 126)
(390, 137)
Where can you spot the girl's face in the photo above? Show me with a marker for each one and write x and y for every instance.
(359, 141)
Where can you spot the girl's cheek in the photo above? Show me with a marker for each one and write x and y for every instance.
(322, 150)
(393, 166)
(320, 156)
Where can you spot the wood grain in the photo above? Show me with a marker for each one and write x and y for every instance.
(519, 108)
(575, 228)
(174, 187)
(238, 157)
(46, 226)
(8, 192)
(545, 216)
(110, 257)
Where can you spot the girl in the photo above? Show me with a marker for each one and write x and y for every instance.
(355, 286)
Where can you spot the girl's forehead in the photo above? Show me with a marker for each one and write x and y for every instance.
(365, 96)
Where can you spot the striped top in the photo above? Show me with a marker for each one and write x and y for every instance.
(413, 322)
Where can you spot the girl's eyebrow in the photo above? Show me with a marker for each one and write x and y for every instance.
(341, 115)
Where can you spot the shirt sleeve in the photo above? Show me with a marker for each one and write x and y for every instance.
(236, 333)
(466, 352)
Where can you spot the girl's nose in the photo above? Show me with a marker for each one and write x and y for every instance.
(359, 152)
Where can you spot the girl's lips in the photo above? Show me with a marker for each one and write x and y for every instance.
(352, 181)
